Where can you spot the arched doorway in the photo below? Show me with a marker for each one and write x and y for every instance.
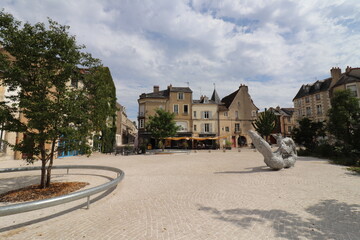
(242, 141)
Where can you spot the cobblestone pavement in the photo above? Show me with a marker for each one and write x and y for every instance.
(201, 195)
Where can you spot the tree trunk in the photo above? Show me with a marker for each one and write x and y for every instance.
(48, 176)
(43, 173)
(43, 164)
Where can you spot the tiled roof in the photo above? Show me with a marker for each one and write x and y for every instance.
(159, 94)
(353, 75)
(229, 98)
(180, 89)
(223, 108)
(215, 97)
(288, 111)
(165, 93)
(309, 89)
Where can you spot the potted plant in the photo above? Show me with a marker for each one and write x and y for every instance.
(228, 145)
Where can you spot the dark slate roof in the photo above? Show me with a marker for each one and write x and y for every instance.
(309, 89)
(159, 94)
(165, 93)
(288, 111)
(353, 75)
(229, 98)
(180, 89)
(223, 108)
(215, 97)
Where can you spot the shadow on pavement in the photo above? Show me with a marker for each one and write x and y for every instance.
(251, 170)
(332, 220)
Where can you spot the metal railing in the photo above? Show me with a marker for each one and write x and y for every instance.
(34, 205)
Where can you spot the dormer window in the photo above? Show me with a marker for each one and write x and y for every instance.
(317, 86)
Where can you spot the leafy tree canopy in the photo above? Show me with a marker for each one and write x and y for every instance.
(308, 132)
(37, 64)
(162, 125)
(265, 123)
(344, 118)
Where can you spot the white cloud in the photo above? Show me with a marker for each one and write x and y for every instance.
(272, 46)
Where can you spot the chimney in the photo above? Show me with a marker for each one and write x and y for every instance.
(348, 69)
(335, 75)
(156, 89)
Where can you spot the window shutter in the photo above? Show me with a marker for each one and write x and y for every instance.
(210, 115)
(202, 114)
(210, 127)
(202, 127)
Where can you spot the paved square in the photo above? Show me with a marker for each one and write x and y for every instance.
(202, 195)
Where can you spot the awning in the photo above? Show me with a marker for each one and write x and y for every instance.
(196, 138)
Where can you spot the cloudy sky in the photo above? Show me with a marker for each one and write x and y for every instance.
(273, 46)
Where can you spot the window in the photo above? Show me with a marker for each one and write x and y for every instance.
(141, 123)
(141, 110)
(194, 114)
(237, 127)
(195, 128)
(186, 109)
(352, 89)
(207, 127)
(317, 97)
(308, 111)
(236, 114)
(176, 109)
(289, 128)
(225, 114)
(307, 100)
(319, 109)
(253, 113)
(299, 102)
(180, 96)
(227, 129)
(206, 115)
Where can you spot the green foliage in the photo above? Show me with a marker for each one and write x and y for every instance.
(162, 125)
(308, 132)
(354, 169)
(265, 123)
(37, 65)
(344, 119)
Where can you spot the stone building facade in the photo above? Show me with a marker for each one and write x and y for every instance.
(313, 100)
(126, 130)
(349, 80)
(285, 122)
(236, 113)
(229, 118)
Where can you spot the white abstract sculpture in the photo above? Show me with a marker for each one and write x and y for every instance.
(284, 157)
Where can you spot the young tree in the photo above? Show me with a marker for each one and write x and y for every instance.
(162, 125)
(44, 60)
(103, 106)
(344, 120)
(308, 132)
(265, 123)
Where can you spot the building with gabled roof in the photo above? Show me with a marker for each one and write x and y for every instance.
(177, 100)
(349, 80)
(285, 122)
(236, 113)
(313, 100)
